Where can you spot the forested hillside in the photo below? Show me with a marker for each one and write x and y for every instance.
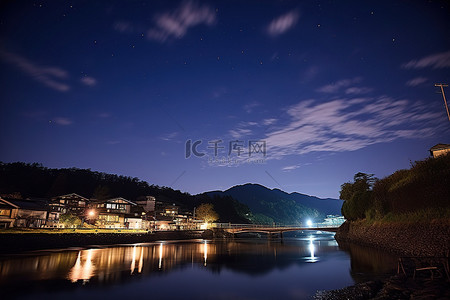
(34, 180)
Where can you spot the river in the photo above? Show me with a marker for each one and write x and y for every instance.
(244, 268)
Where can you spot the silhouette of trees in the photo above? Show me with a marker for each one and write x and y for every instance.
(357, 195)
(101, 192)
(36, 181)
(423, 188)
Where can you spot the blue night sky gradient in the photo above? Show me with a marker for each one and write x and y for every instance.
(332, 87)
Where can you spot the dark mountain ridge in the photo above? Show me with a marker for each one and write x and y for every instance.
(275, 205)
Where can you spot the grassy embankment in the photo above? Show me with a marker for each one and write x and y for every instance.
(420, 194)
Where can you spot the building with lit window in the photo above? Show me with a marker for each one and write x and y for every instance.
(110, 213)
(23, 212)
(70, 203)
(440, 149)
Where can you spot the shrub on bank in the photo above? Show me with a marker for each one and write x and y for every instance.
(419, 194)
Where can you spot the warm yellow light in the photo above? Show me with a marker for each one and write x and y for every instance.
(160, 255)
(205, 253)
(204, 226)
(91, 213)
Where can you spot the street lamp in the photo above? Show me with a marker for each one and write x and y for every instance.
(90, 216)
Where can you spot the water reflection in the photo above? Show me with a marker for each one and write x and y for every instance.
(252, 258)
(82, 270)
(160, 255)
(367, 263)
(311, 248)
(205, 252)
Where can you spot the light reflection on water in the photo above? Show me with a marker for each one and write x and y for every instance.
(274, 268)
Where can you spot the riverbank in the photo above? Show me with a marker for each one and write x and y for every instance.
(12, 243)
(396, 287)
(402, 239)
(413, 239)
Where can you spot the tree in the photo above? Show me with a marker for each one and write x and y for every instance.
(101, 192)
(69, 220)
(358, 196)
(207, 213)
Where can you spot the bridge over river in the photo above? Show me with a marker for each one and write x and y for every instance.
(274, 229)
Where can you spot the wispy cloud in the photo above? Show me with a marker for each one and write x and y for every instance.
(175, 24)
(62, 121)
(88, 80)
(249, 107)
(435, 61)
(290, 168)
(283, 23)
(240, 132)
(416, 81)
(48, 76)
(269, 121)
(169, 136)
(339, 85)
(348, 124)
(245, 129)
(358, 90)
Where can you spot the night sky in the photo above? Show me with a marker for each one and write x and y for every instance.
(198, 96)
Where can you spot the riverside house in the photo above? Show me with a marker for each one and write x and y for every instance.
(110, 213)
(23, 212)
(70, 203)
(440, 149)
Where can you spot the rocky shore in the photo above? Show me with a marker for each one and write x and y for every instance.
(15, 243)
(417, 240)
(396, 287)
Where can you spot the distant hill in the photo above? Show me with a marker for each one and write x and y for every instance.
(277, 206)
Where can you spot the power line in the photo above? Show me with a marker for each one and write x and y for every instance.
(442, 85)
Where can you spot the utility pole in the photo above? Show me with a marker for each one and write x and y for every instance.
(441, 85)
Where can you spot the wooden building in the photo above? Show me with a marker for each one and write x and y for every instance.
(440, 149)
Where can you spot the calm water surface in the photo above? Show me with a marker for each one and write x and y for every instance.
(256, 268)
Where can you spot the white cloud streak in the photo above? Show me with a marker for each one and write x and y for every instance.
(175, 24)
(249, 107)
(48, 76)
(348, 124)
(358, 90)
(290, 168)
(339, 85)
(269, 121)
(169, 137)
(283, 23)
(240, 132)
(89, 81)
(435, 61)
(62, 121)
(416, 81)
